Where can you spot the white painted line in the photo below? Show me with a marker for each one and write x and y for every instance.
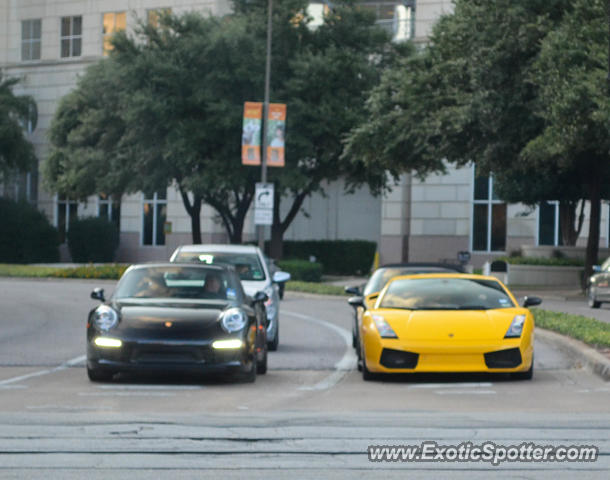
(453, 385)
(12, 387)
(63, 366)
(150, 387)
(465, 392)
(126, 394)
(347, 362)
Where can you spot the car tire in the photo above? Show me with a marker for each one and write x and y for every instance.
(367, 375)
(527, 375)
(261, 365)
(592, 302)
(250, 375)
(99, 375)
(273, 344)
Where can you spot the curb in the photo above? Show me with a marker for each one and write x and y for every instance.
(586, 355)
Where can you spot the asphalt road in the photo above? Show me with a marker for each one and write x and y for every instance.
(311, 416)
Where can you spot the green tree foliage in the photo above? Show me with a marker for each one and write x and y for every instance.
(16, 152)
(574, 101)
(481, 91)
(173, 97)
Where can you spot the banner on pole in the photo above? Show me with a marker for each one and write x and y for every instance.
(276, 129)
(251, 133)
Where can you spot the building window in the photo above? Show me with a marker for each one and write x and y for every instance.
(548, 224)
(109, 208)
(154, 15)
(488, 218)
(397, 17)
(66, 211)
(30, 39)
(154, 215)
(71, 36)
(112, 23)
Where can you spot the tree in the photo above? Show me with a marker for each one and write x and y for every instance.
(16, 152)
(574, 102)
(178, 99)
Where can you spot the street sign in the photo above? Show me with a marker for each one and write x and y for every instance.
(263, 217)
(263, 204)
(263, 198)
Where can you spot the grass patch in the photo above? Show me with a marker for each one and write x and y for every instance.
(311, 287)
(112, 272)
(588, 330)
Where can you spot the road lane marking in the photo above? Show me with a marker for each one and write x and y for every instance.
(453, 385)
(343, 366)
(465, 392)
(63, 366)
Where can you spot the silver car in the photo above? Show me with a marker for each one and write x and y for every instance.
(253, 271)
(598, 289)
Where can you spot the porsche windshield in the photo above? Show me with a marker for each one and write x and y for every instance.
(177, 282)
(445, 294)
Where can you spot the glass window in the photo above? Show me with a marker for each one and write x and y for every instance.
(179, 281)
(445, 294)
(154, 217)
(110, 208)
(548, 224)
(155, 14)
(488, 218)
(66, 211)
(30, 39)
(71, 36)
(112, 23)
(247, 265)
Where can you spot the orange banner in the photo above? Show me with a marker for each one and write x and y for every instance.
(276, 128)
(251, 133)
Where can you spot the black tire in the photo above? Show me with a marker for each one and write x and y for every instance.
(273, 344)
(99, 375)
(261, 364)
(367, 375)
(250, 375)
(527, 375)
(592, 302)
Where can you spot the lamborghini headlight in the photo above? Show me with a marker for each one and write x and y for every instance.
(105, 317)
(384, 329)
(516, 327)
(233, 320)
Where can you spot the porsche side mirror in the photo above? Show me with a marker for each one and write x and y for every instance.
(98, 294)
(260, 297)
(531, 301)
(357, 301)
(353, 291)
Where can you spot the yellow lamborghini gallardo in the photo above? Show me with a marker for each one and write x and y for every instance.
(446, 323)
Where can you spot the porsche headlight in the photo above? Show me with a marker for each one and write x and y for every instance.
(233, 320)
(384, 329)
(516, 327)
(105, 317)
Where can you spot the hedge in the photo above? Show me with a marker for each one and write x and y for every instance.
(302, 270)
(338, 257)
(26, 235)
(92, 239)
(550, 262)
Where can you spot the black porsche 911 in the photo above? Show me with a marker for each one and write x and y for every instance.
(184, 318)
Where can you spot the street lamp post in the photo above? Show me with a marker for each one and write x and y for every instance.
(261, 228)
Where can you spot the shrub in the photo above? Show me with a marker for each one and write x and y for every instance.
(112, 272)
(92, 239)
(551, 262)
(302, 270)
(26, 235)
(338, 257)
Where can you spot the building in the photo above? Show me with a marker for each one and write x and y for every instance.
(48, 43)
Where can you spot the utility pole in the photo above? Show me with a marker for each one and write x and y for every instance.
(261, 228)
